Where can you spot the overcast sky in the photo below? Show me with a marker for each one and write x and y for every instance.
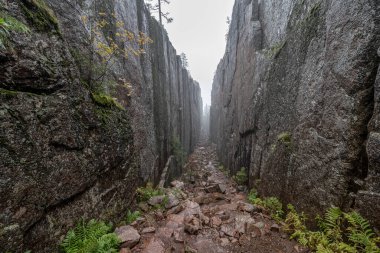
(198, 30)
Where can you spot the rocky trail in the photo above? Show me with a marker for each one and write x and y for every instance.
(205, 213)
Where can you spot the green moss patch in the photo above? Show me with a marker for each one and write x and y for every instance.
(105, 100)
(40, 14)
(7, 25)
(273, 51)
(285, 138)
(8, 93)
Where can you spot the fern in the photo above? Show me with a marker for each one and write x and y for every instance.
(272, 204)
(331, 225)
(145, 193)
(360, 233)
(93, 237)
(131, 217)
(339, 232)
(294, 221)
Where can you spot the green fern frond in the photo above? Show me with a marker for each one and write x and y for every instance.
(294, 221)
(358, 223)
(331, 225)
(92, 237)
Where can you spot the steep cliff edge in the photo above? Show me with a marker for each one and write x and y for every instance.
(295, 100)
(70, 151)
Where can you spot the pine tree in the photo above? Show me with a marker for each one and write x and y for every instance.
(185, 62)
(158, 8)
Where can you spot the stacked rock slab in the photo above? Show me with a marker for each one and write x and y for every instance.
(65, 156)
(295, 101)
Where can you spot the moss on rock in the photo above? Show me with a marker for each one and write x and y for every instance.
(8, 93)
(105, 100)
(40, 14)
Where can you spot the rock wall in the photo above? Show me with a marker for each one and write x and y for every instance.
(65, 154)
(295, 100)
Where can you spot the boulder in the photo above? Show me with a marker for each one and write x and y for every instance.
(156, 200)
(172, 201)
(148, 230)
(192, 224)
(128, 236)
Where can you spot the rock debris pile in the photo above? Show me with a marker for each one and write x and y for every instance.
(204, 212)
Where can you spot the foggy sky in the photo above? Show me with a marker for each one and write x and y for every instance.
(198, 30)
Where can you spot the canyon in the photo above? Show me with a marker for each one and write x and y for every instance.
(95, 102)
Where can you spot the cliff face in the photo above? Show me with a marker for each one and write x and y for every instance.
(65, 152)
(295, 100)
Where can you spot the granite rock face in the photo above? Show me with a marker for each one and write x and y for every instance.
(64, 155)
(295, 100)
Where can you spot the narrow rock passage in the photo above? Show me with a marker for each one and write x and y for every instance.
(209, 215)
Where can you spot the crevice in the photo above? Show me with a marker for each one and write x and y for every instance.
(62, 146)
(248, 133)
(360, 172)
(62, 203)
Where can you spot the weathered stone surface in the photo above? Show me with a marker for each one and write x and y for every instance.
(246, 207)
(192, 224)
(128, 236)
(156, 200)
(64, 156)
(172, 201)
(177, 184)
(125, 250)
(216, 221)
(155, 246)
(148, 230)
(293, 98)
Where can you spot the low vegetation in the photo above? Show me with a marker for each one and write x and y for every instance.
(224, 170)
(272, 204)
(147, 192)
(241, 177)
(92, 237)
(339, 232)
(132, 216)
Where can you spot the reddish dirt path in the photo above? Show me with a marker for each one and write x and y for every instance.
(209, 215)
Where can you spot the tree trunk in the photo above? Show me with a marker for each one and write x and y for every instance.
(159, 11)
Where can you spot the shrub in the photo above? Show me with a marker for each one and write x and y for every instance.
(92, 237)
(147, 192)
(241, 177)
